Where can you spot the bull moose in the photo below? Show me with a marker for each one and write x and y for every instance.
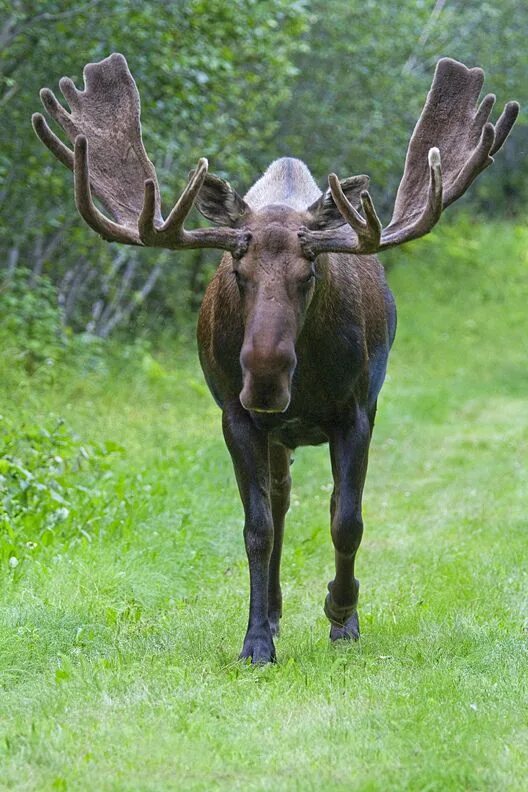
(296, 326)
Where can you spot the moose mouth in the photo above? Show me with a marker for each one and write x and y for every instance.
(264, 408)
(262, 411)
(265, 397)
(267, 378)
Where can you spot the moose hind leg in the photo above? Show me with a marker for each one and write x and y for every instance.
(248, 447)
(349, 447)
(280, 458)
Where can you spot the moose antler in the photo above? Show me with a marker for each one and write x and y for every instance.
(109, 159)
(452, 143)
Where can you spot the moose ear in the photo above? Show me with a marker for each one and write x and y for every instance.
(325, 214)
(219, 202)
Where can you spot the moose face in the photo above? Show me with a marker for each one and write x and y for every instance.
(275, 274)
(276, 283)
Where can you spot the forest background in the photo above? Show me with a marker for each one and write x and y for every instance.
(339, 84)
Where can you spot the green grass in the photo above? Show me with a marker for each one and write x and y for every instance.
(119, 631)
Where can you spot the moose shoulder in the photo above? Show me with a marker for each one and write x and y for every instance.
(296, 326)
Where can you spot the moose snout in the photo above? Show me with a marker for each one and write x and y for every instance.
(267, 376)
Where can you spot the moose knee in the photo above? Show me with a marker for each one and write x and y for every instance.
(258, 534)
(347, 530)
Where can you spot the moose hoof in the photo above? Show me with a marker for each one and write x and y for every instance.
(344, 619)
(274, 622)
(349, 631)
(259, 647)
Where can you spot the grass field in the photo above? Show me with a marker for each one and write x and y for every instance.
(120, 629)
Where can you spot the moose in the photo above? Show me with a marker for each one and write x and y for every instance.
(296, 325)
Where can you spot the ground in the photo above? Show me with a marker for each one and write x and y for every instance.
(119, 631)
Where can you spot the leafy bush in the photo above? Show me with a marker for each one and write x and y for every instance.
(48, 485)
(30, 320)
(32, 333)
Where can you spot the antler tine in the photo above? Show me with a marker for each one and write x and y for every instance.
(477, 162)
(171, 232)
(431, 213)
(175, 220)
(146, 226)
(484, 111)
(51, 141)
(504, 125)
(368, 229)
(112, 232)
(57, 111)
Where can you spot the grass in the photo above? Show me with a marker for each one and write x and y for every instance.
(119, 630)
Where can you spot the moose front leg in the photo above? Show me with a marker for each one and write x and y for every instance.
(349, 445)
(249, 451)
(280, 458)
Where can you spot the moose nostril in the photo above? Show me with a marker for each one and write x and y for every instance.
(267, 374)
(267, 362)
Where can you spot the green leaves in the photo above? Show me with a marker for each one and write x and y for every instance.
(48, 486)
(364, 75)
(339, 84)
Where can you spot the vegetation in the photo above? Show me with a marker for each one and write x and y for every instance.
(338, 83)
(124, 579)
(204, 71)
(373, 68)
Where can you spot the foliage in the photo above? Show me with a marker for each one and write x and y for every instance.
(32, 332)
(364, 74)
(30, 320)
(117, 655)
(339, 84)
(48, 486)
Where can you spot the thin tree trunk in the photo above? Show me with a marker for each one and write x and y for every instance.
(12, 261)
(113, 305)
(38, 261)
(411, 62)
(78, 281)
(124, 312)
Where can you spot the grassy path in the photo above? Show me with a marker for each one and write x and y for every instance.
(118, 644)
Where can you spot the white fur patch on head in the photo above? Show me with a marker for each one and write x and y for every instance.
(287, 181)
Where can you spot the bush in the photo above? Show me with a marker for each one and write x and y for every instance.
(30, 320)
(32, 333)
(48, 486)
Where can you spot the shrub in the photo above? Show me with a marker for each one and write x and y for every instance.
(30, 320)
(48, 486)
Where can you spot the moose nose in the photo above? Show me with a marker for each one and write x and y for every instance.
(267, 376)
